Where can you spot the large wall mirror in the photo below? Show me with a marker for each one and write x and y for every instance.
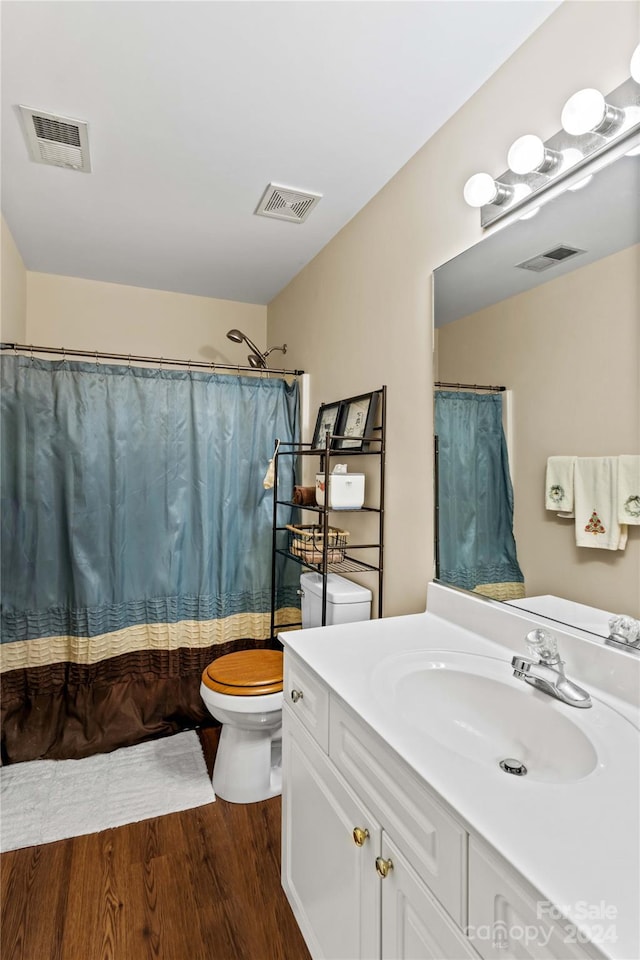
(564, 342)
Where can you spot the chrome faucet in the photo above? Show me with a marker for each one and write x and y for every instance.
(547, 673)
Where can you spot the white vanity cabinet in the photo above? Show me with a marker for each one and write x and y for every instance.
(375, 866)
(352, 884)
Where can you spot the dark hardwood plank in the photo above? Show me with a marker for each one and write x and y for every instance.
(203, 884)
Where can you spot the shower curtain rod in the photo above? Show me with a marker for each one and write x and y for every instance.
(469, 386)
(129, 357)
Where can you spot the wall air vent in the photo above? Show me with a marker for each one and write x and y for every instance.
(58, 141)
(550, 259)
(287, 203)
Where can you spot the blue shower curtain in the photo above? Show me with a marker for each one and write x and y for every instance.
(477, 548)
(136, 544)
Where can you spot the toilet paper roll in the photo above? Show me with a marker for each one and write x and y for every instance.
(305, 496)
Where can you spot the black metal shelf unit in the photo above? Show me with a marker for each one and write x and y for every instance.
(350, 564)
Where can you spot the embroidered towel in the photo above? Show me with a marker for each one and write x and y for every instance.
(596, 504)
(559, 485)
(629, 489)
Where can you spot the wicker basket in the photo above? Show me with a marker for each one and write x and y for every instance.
(306, 540)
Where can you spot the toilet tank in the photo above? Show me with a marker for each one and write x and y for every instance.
(347, 602)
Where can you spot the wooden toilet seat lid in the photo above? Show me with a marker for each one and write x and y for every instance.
(247, 673)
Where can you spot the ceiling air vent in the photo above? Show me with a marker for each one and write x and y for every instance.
(287, 203)
(550, 259)
(58, 141)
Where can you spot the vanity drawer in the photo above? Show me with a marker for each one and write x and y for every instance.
(307, 697)
(509, 920)
(431, 840)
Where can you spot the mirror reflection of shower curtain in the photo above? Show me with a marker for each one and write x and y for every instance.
(477, 549)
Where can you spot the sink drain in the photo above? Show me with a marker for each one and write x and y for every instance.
(516, 767)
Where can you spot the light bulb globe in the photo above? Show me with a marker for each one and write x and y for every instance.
(583, 112)
(581, 184)
(634, 66)
(526, 154)
(480, 189)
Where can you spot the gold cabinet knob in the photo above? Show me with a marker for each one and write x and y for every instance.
(296, 695)
(360, 836)
(383, 867)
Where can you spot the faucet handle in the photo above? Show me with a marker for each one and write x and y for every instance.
(543, 645)
(624, 629)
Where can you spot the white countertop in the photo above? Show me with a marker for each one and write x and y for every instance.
(576, 842)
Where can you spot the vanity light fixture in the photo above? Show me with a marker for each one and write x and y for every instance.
(592, 126)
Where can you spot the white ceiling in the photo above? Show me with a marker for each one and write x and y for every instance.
(193, 107)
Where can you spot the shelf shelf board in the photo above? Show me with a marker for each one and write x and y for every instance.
(321, 451)
(348, 565)
(316, 509)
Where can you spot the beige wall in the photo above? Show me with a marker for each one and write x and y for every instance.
(91, 315)
(13, 290)
(360, 314)
(570, 352)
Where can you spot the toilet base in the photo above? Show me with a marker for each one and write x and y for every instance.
(248, 765)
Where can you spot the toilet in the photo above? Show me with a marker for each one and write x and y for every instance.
(243, 691)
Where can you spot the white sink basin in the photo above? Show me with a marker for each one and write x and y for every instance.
(473, 706)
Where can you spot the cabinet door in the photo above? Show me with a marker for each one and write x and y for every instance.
(414, 925)
(508, 919)
(330, 881)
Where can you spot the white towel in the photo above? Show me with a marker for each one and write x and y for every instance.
(596, 504)
(629, 490)
(559, 485)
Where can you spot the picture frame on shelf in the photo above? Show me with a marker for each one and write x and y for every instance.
(356, 422)
(327, 422)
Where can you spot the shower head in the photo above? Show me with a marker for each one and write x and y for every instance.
(239, 337)
(257, 359)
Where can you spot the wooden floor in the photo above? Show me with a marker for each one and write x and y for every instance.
(199, 885)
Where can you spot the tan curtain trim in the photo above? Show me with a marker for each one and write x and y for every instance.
(501, 591)
(24, 654)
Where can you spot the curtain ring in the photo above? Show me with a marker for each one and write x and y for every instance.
(97, 363)
(161, 362)
(31, 353)
(129, 361)
(189, 365)
(64, 356)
